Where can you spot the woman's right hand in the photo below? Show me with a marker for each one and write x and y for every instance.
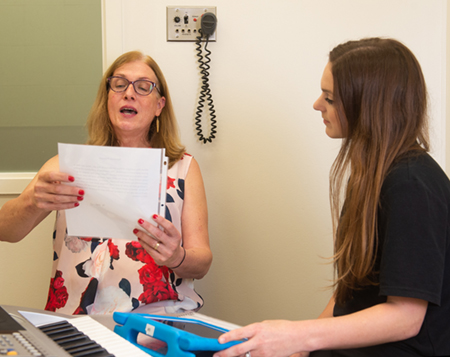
(50, 191)
(47, 192)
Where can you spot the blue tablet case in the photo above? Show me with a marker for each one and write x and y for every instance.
(179, 343)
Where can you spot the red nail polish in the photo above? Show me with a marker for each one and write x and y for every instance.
(76, 204)
(71, 178)
(135, 230)
(81, 192)
(80, 198)
(141, 221)
(155, 216)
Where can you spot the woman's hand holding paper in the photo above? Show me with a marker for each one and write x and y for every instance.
(50, 192)
(162, 242)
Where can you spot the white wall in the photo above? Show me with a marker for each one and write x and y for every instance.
(266, 174)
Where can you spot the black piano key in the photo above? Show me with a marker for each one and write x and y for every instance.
(94, 352)
(65, 336)
(81, 347)
(76, 343)
(105, 353)
(72, 339)
(69, 344)
(52, 326)
(62, 330)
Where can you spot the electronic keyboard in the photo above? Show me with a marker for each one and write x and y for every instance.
(21, 335)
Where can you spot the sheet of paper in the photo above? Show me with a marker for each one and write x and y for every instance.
(38, 319)
(121, 185)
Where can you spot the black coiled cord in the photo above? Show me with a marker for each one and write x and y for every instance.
(205, 92)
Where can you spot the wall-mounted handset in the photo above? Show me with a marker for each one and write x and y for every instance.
(208, 26)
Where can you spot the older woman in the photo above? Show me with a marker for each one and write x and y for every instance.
(101, 275)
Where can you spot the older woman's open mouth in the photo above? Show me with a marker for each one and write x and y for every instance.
(128, 110)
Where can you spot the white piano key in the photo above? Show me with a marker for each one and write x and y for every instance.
(108, 339)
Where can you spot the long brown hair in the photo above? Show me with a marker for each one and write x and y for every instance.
(99, 124)
(381, 100)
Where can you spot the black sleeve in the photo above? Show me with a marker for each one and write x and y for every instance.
(412, 233)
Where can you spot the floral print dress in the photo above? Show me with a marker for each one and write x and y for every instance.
(103, 275)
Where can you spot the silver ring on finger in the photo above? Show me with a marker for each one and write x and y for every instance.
(248, 354)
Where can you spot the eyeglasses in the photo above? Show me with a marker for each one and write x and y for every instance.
(141, 86)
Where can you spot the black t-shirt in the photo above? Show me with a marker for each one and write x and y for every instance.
(413, 259)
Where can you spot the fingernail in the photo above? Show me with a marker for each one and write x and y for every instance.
(141, 221)
(81, 192)
(135, 230)
(80, 198)
(76, 204)
(71, 178)
(155, 216)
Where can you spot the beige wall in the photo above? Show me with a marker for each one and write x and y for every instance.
(26, 266)
(266, 174)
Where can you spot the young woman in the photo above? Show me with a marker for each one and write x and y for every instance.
(392, 244)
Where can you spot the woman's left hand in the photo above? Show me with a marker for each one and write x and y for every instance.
(162, 242)
(273, 338)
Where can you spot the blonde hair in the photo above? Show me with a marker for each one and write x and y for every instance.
(101, 131)
(381, 101)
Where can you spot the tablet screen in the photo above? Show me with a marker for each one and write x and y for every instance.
(196, 328)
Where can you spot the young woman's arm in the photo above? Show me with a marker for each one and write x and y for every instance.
(397, 319)
(328, 312)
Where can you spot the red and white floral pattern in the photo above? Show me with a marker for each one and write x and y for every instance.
(103, 275)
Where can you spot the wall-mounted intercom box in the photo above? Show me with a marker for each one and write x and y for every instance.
(183, 23)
